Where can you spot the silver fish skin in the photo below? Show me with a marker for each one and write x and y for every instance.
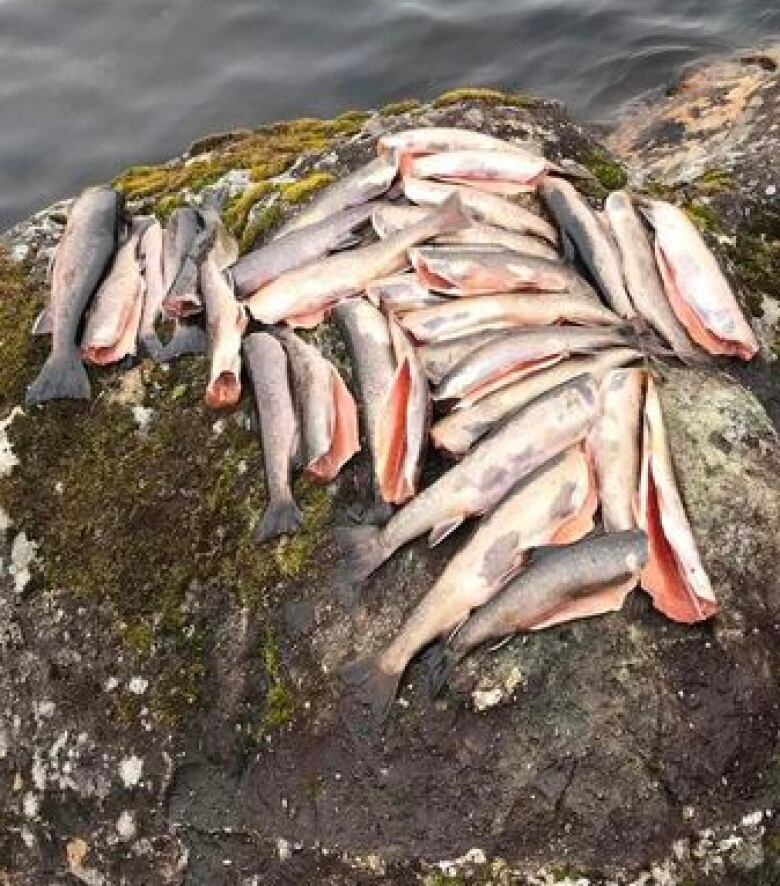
(596, 249)
(298, 248)
(366, 333)
(440, 357)
(401, 292)
(531, 437)
(558, 577)
(186, 242)
(267, 364)
(361, 186)
(509, 351)
(642, 277)
(82, 259)
(458, 431)
(151, 250)
(180, 232)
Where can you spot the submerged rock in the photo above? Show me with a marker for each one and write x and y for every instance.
(169, 705)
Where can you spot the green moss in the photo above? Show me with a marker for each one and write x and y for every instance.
(236, 211)
(610, 174)
(713, 181)
(393, 109)
(297, 192)
(279, 706)
(704, 217)
(441, 879)
(20, 302)
(294, 554)
(486, 96)
(165, 206)
(566, 872)
(755, 255)
(260, 223)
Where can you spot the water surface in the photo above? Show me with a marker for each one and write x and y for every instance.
(88, 87)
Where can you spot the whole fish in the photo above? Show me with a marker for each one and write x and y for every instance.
(366, 332)
(531, 437)
(151, 251)
(401, 292)
(303, 295)
(300, 247)
(553, 505)
(479, 234)
(361, 186)
(484, 313)
(698, 291)
(267, 364)
(578, 572)
(486, 271)
(615, 444)
(437, 139)
(111, 330)
(518, 353)
(182, 250)
(388, 218)
(481, 206)
(326, 410)
(594, 246)
(226, 321)
(642, 277)
(674, 575)
(438, 358)
(82, 258)
(501, 172)
(403, 423)
(458, 431)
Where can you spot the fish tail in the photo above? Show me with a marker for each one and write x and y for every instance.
(282, 517)
(187, 338)
(441, 660)
(62, 377)
(371, 685)
(363, 551)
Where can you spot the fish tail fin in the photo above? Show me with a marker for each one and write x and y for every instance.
(441, 661)
(188, 338)
(371, 685)
(363, 551)
(62, 377)
(282, 517)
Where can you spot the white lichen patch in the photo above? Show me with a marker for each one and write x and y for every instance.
(22, 560)
(8, 458)
(30, 805)
(142, 415)
(485, 697)
(125, 825)
(138, 685)
(130, 770)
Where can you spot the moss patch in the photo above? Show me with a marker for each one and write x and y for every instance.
(486, 96)
(279, 706)
(237, 210)
(260, 223)
(20, 302)
(393, 109)
(610, 174)
(299, 191)
(756, 257)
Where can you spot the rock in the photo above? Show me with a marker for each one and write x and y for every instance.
(170, 707)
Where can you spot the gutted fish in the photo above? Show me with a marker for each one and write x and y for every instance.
(401, 292)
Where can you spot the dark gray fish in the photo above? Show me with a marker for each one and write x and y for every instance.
(579, 572)
(267, 364)
(594, 245)
(298, 248)
(82, 259)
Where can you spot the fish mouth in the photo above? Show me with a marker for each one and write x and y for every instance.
(224, 390)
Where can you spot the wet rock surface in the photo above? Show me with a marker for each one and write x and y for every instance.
(170, 710)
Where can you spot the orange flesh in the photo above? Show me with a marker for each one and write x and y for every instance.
(125, 342)
(581, 523)
(182, 306)
(393, 436)
(344, 442)
(661, 576)
(224, 391)
(690, 319)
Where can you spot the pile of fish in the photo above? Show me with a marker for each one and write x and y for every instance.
(491, 296)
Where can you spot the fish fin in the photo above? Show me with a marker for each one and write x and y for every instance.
(363, 550)
(187, 338)
(281, 517)
(44, 322)
(441, 661)
(369, 684)
(62, 377)
(443, 529)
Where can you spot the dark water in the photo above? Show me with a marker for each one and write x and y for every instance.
(89, 86)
